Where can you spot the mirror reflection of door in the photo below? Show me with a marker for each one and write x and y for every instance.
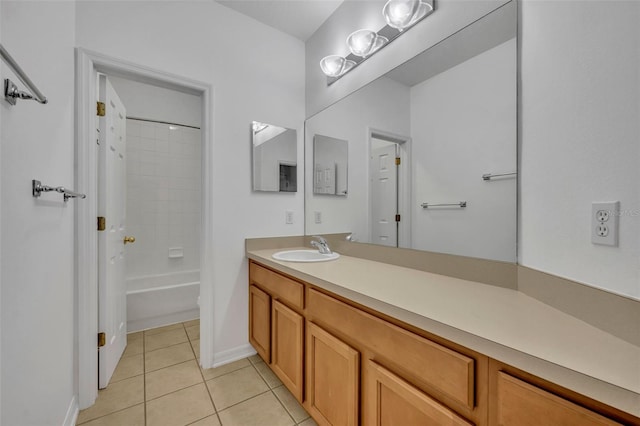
(330, 156)
(384, 192)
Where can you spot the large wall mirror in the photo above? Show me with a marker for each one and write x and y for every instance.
(432, 151)
(274, 154)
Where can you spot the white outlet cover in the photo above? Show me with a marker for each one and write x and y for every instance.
(288, 215)
(604, 223)
(317, 217)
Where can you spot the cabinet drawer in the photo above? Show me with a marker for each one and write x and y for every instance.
(441, 368)
(522, 404)
(390, 400)
(279, 286)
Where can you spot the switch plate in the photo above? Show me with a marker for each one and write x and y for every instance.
(317, 217)
(604, 223)
(288, 217)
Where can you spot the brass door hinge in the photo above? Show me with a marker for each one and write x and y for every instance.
(102, 223)
(102, 109)
(397, 218)
(397, 161)
(102, 339)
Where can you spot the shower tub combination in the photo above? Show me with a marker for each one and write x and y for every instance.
(158, 300)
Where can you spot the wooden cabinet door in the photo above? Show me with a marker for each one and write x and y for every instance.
(260, 322)
(287, 331)
(389, 400)
(332, 379)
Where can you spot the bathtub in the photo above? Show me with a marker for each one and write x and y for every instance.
(158, 300)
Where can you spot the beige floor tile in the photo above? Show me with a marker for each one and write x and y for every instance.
(208, 421)
(162, 340)
(212, 373)
(134, 347)
(291, 404)
(308, 422)
(236, 387)
(180, 408)
(193, 332)
(268, 375)
(259, 411)
(255, 359)
(134, 336)
(133, 416)
(166, 357)
(170, 379)
(128, 367)
(164, 329)
(195, 344)
(191, 323)
(117, 396)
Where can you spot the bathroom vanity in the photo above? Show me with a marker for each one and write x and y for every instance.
(364, 342)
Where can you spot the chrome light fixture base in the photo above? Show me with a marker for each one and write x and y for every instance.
(386, 35)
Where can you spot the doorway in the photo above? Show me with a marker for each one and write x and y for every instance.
(389, 190)
(88, 66)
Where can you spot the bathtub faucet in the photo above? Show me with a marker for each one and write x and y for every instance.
(321, 244)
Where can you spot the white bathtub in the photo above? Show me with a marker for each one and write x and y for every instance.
(158, 300)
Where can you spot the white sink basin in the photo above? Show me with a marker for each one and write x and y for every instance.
(304, 256)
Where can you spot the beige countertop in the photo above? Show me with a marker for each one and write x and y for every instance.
(504, 324)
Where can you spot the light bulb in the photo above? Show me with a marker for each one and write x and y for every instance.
(401, 14)
(365, 42)
(335, 65)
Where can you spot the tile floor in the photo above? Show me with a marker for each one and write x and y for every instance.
(158, 382)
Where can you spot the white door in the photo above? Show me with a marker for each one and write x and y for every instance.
(112, 310)
(325, 179)
(384, 193)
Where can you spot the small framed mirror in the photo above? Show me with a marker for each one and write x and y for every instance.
(330, 156)
(275, 154)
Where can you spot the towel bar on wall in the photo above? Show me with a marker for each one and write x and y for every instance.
(461, 204)
(11, 92)
(489, 176)
(38, 188)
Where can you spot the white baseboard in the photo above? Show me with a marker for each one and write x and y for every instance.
(161, 321)
(72, 413)
(230, 355)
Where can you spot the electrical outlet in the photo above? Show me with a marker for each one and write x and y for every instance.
(317, 217)
(604, 223)
(288, 217)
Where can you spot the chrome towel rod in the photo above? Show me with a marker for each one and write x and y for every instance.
(489, 176)
(461, 204)
(11, 92)
(38, 188)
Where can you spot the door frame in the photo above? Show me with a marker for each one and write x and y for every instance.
(404, 182)
(88, 64)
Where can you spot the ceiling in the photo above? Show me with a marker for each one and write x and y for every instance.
(299, 18)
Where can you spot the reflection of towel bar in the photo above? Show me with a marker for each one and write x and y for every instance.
(489, 176)
(461, 204)
(38, 188)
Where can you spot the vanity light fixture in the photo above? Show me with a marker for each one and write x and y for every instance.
(399, 15)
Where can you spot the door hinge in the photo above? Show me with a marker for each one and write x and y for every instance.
(102, 223)
(397, 161)
(102, 109)
(102, 339)
(397, 218)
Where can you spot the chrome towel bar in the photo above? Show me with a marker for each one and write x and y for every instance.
(489, 176)
(38, 188)
(11, 92)
(461, 204)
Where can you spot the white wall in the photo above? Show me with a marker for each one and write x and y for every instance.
(580, 138)
(351, 120)
(157, 103)
(37, 293)
(163, 198)
(211, 43)
(463, 125)
(330, 39)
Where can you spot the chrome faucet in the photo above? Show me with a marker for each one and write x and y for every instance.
(321, 244)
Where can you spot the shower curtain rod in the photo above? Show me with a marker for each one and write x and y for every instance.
(161, 122)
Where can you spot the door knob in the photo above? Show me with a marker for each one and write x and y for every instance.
(129, 240)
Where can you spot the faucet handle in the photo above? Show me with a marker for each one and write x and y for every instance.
(319, 239)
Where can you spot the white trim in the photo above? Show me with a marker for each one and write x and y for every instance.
(405, 177)
(230, 355)
(72, 413)
(161, 321)
(88, 64)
